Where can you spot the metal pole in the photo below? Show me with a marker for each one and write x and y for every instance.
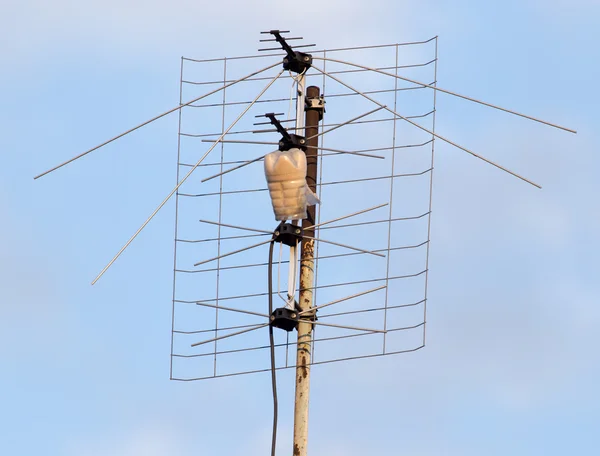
(305, 326)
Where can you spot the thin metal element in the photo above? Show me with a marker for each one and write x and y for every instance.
(274, 130)
(231, 309)
(155, 118)
(182, 181)
(220, 215)
(359, 152)
(295, 47)
(214, 339)
(431, 132)
(373, 309)
(294, 250)
(176, 228)
(346, 181)
(222, 238)
(389, 237)
(348, 122)
(389, 243)
(331, 285)
(286, 38)
(345, 246)
(236, 167)
(430, 203)
(414, 65)
(342, 299)
(323, 339)
(325, 257)
(338, 151)
(355, 48)
(233, 253)
(349, 215)
(439, 89)
(349, 327)
(236, 141)
(214, 330)
(235, 226)
(315, 363)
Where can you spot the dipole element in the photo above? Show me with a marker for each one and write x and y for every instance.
(305, 301)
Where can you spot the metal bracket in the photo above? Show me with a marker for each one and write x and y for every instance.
(315, 104)
(288, 234)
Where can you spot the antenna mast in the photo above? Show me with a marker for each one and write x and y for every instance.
(314, 113)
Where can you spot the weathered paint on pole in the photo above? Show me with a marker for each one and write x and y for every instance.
(305, 326)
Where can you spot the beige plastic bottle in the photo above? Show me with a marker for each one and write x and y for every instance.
(286, 179)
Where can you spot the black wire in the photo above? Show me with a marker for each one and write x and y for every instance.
(272, 344)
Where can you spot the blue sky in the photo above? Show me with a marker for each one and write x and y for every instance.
(512, 363)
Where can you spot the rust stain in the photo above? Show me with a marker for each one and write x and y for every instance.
(296, 450)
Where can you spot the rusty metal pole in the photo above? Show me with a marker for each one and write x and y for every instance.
(314, 112)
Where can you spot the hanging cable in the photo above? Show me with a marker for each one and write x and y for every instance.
(272, 346)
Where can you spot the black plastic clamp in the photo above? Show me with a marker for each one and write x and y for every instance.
(284, 318)
(288, 234)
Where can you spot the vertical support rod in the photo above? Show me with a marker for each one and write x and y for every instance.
(293, 268)
(305, 302)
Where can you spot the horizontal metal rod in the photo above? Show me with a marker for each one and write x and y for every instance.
(356, 48)
(345, 246)
(285, 344)
(347, 122)
(233, 253)
(269, 123)
(235, 226)
(360, 152)
(236, 167)
(324, 184)
(223, 238)
(338, 151)
(342, 284)
(231, 309)
(176, 108)
(431, 132)
(349, 327)
(275, 100)
(295, 47)
(293, 366)
(439, 89)
(374, 309)
(212, 330)
(229, 335)
(346, 216)
(180, 183)
(342, 300)
(236, 141)
(414, 65)
(287, 39)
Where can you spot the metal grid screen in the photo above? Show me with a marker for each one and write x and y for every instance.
(396, 170)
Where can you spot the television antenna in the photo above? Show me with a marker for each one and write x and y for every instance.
(381, 160)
